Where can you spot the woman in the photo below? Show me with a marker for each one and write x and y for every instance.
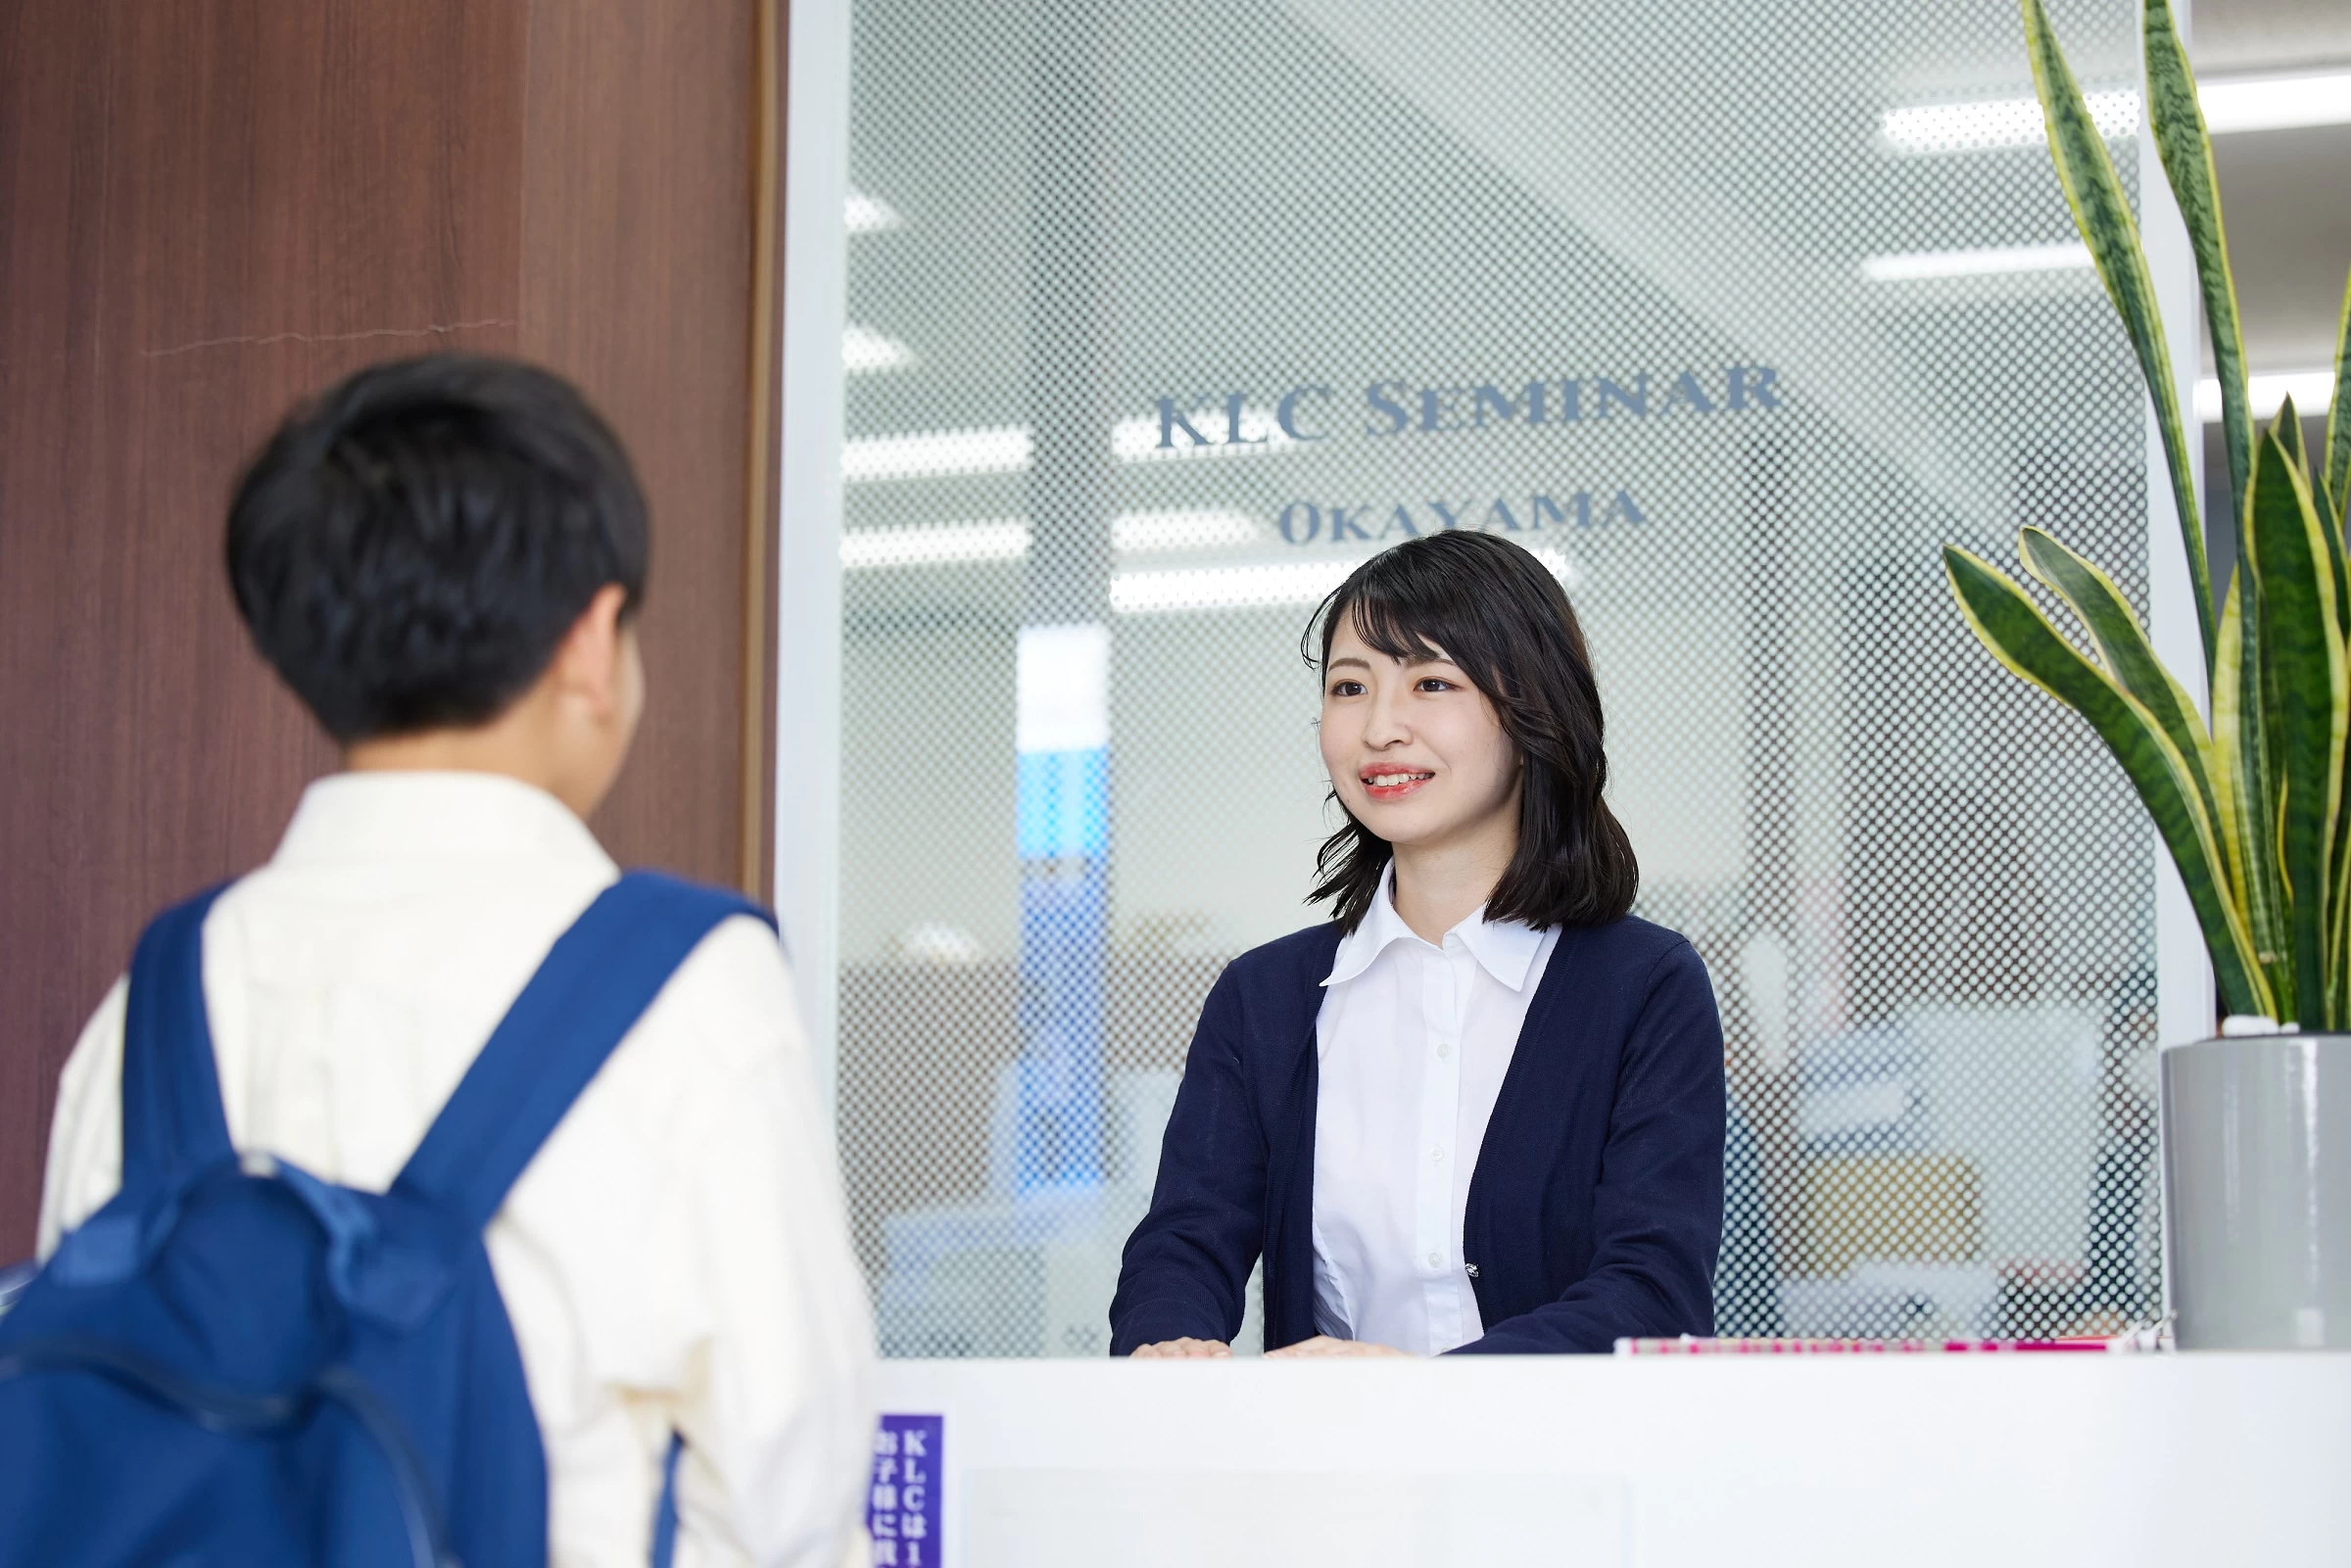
(1482, 1109)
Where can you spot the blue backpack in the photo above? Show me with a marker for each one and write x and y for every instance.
(237, 1362)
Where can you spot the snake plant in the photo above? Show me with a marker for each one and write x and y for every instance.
(2251, 805)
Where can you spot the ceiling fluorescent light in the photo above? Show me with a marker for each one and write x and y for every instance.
(2230, 104)
(1217, 587)
(1007, 538)
(934, 544)
(1182, 530)
(2311, 390)
(1005, 448)
(1991, 261)
(1000, 449)
(1225, 587)
(1138, 592)
(2001, 123)
(2275, 103)
(869, 214)
(864, 349)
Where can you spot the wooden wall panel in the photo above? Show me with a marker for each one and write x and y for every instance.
(52, 76)
(213, 207)
(338, 173)
(637, 283)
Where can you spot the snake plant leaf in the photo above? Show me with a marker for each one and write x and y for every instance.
(2338, 935)
(2261, 777)
(2306, 692)
(2123, 647)
(2248, 826)
(2288, 427)
(2337, 453)
(2102, 213)
(2330, 524)
(2224, 759)
(2240, 720)
(2021, 638)
(2338, 965)
(2338, 860)
(2176, 119)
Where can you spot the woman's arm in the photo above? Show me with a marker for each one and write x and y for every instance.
(1186, 1267)
(1657, 1213)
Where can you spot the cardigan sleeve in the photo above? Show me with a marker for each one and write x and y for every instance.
(1186, 1267)
(1658, 1213)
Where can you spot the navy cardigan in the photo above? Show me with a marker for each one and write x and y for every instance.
(1596, 1207)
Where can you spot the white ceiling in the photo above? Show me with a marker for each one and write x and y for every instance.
(2246, 35)
(2287, 193)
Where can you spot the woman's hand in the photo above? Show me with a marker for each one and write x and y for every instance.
(1184, 1349)
(1325, 1345)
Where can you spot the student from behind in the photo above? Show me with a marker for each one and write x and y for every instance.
(444, 559)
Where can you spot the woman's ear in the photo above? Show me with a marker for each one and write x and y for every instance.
(587, 664)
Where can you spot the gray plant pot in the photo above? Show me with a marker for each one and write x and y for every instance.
(2257, 1190)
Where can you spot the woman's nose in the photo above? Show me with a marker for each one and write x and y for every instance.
(1384, 724)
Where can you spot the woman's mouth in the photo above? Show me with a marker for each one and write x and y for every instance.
(1392, 783)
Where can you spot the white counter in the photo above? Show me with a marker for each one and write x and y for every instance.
(1666, 1462)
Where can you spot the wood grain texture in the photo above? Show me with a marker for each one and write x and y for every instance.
(215, 207)
(212, 208)
(637, 283)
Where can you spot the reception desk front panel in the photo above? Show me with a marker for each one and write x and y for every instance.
(1919, 1460)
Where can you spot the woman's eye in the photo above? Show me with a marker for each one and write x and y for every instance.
(1432, 683)
(1346, 688)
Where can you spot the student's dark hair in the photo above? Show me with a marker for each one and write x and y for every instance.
(1499, 616)
(410, 548)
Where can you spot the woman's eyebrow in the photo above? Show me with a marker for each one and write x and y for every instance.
(1349, 658)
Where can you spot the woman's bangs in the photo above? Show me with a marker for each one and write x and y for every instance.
(1395, 618)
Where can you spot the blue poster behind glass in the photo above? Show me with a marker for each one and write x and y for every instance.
(901, 1507)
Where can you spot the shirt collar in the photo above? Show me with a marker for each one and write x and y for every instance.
(1504, 949)
(1379, 926)
(415, 816)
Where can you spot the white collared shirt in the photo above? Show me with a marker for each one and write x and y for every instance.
(676, 1254)
(1413, 1041)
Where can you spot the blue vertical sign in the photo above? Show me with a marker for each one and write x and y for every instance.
(1071, 392)
(1063, 831)
(901, 1508)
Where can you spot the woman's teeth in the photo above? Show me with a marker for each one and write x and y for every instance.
(1389, 781)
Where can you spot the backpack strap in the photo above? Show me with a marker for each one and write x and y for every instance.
(597, 982)
(173, 1123)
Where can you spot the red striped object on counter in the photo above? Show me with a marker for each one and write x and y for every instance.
(1688, 1346)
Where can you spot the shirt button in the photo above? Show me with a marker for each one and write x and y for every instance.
(1436, 1260)
(1436, 1155)
(1444, 1048)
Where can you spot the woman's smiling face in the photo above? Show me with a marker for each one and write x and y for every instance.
(1414, 750)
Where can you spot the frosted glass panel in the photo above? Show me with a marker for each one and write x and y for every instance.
(1164, 317)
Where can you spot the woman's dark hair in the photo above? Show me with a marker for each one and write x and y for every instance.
(1499, 616)
(410, 550)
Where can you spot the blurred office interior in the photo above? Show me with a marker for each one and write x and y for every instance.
(1734, 314)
